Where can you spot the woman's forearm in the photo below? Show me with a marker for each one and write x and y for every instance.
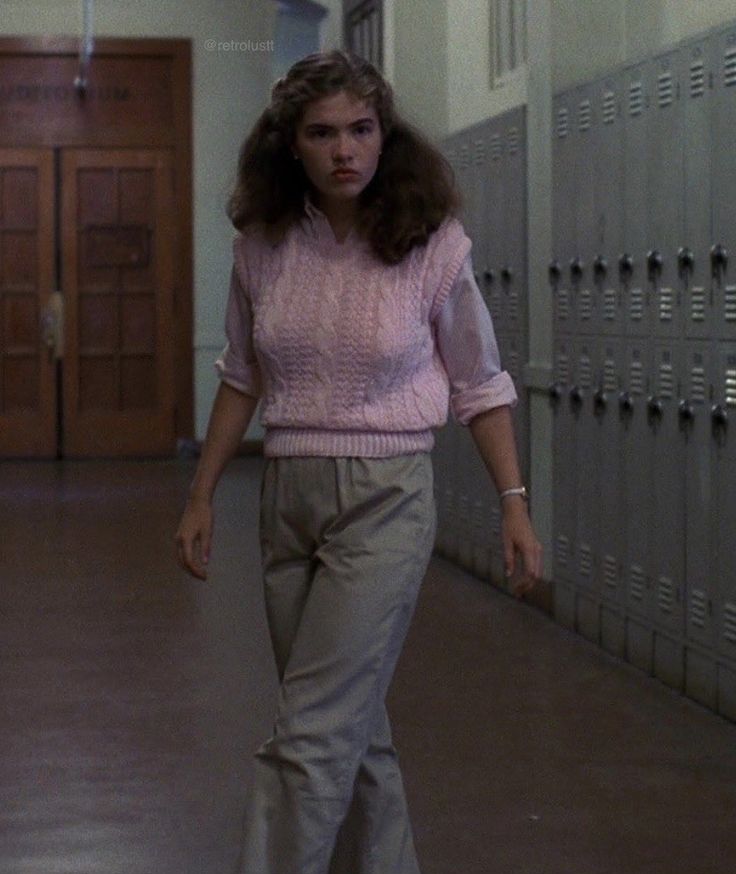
(493, 433)
(229, 420)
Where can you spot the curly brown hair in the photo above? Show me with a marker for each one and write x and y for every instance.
(412, 191)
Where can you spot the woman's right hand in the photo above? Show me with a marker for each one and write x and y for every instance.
(194, 536)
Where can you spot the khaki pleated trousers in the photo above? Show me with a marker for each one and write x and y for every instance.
(345, 544)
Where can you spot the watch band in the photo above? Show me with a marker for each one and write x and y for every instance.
(522, 490)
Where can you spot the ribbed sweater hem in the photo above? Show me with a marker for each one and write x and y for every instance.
(366, 444)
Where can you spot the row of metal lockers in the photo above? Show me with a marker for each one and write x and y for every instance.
(642, 285)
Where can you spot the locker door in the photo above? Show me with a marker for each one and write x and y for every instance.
(513, 271)
(723, 249)
(636, 208)
(563, 226)
(665, 187)
(611, 511)
(695, 281)
(608, 181)
(117, 275)
(564, 457)
(584, 205)
(27, 366)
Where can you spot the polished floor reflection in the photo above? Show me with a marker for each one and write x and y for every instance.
(132, 698)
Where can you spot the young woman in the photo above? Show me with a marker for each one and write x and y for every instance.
(354, 317)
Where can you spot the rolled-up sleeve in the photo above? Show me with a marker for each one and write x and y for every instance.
(467, 345)
(237, 365)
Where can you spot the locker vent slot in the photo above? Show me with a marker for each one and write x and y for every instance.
(513, 311)
(665, 304)
(636, 304)
(562, 550)
(697, 79)
(585, 566)
(697, 304)
(479, 152)
(730, 303)
(585, 304)
(513, 140)
(609, 304)
(584, 115)
(665, 594)
(512, 359)
(729, 67)
(698, 608)
(464, 156)
(637, 582)
(609, 375)
(697, 384)
(479, 521)
(496, 523)
(562, 122)
(496, 147)
(563, 303)
(636, 98)
(609, 107)
(610, 571)
(462, 510)
(585, 371)
(563, 369)
(636, 378)
(731, 387)
(729, 621)
(666, 380)
(665, 89)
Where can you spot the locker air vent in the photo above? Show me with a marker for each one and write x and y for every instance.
(665, 304)
(585, 565)
(665, 89)
(729, 303)
(496, 147)
(562, 550)
(610, 381)
(637, 582)
(697, 303)
(464, 156)
(609, 304)
(697, 79)
(513, 308)
(697, 384)
(563, 303)
(563, 125)
(584, 115)
(666, 380)
(731, 387)
(729, 67)
(512, 363)
(698, 608)
(479, 152)
(585, 303)
(665, 594)
(610, 571)
(636, 378)
(729, 621)
(609, 107)
(636, 98)
(496, 522)
(636, 304)
(513, 140)
(585, 371)
(563, 369)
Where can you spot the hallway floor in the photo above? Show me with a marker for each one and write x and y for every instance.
(133, 697)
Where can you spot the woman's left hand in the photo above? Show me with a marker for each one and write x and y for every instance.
(518, 536)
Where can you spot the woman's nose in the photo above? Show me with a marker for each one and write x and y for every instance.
(342, 146)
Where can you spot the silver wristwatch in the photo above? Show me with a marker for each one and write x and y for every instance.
(522, 490)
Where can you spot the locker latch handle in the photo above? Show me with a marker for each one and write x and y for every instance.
(600, 401)
(576, 268)
(600, 267)
(686, 411)
(719, 415)
(626, 405)
(555, 392)
(554, 271)
(654, 264)
(625, 266)
(718, 259)
(685, 260)
(655, 407)
(576, 396)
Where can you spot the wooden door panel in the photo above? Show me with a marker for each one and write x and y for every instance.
(27, 367)
(118, 287)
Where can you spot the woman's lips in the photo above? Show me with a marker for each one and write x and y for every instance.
(344, 174)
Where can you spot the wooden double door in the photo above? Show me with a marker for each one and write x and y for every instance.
(87, 242)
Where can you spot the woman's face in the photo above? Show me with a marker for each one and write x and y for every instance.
(336, 133)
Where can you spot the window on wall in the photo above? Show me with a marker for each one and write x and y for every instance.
(508, 37)
(363, 23)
